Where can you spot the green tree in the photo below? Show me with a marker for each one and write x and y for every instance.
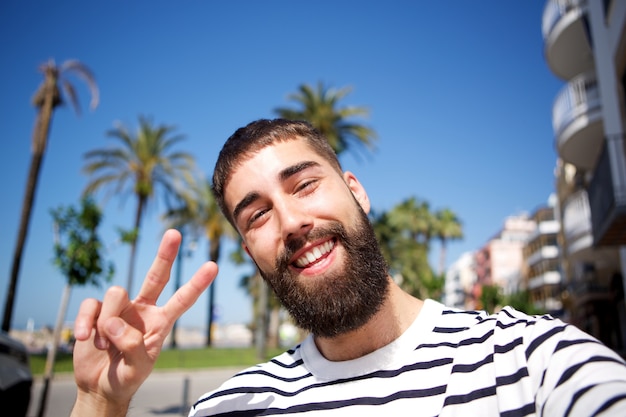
(404, 234)
(521, 301)
(78, 255)
(320, 107)
(200, 214)
(54, 91)
(447, 227)
(491, 297)
(142, 165)
(413, 218)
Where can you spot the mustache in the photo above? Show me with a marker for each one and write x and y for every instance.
(292, 246)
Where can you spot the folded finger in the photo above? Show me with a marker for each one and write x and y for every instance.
(159, 272)
(126, 339)
(86, 318)
(114, 302)
(127, 346)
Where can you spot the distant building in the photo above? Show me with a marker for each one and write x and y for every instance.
(499, 262)
(541, 273)
(585, 46)
(460, 278)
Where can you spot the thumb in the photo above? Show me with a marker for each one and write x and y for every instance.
(127, 340)
(115, 328)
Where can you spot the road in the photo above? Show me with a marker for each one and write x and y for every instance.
(163, 394)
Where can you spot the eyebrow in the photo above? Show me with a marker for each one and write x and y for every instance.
(288, 172)
(283, 175)
(245, 202)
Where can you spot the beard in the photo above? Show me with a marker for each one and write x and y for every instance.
(341, 301)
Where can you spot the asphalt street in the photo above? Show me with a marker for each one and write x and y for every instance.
(163, 394)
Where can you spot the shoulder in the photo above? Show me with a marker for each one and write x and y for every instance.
(260, 380)
(530, 336)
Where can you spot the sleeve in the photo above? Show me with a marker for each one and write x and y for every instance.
(574, 373)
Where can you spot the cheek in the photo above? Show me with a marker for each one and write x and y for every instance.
(263, 249)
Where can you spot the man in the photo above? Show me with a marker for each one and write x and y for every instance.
(373, 348)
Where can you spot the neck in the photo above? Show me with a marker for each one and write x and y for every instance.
(397, 313)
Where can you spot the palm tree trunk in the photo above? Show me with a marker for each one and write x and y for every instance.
(141, 201)
(177, 279)
(442, 257)
(27, 207)
(214, 254)
(40, 140)
(273, 340)
(261, 320)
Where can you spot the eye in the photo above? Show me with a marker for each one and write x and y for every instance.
(255, 217)
(306, 187)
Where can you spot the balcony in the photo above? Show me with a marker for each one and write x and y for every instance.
(567, 45)
(546, 252)
(548, 278)
(577, 225)
(577, 121)
(608, 205)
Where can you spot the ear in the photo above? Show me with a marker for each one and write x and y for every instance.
(357, 191)
(245, 248)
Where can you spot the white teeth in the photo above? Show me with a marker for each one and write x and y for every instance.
(314, 254)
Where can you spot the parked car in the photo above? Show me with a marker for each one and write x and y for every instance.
(16, 379)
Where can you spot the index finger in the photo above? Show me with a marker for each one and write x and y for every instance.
(159, 272)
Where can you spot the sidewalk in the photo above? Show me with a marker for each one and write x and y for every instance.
(163, 394)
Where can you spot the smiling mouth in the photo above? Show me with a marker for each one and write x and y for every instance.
(315, 254)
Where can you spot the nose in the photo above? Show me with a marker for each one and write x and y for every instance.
(295, 221)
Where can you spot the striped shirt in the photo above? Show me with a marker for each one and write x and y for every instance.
(447, 363)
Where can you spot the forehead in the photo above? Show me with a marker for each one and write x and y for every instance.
(261, 169)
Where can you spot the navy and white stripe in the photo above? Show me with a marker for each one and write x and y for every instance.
(449, 362)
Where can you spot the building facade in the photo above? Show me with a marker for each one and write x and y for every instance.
(500, 261)
(460, 279)
(541, 271)
(585, 46)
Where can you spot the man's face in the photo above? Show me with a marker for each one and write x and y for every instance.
(305, 226)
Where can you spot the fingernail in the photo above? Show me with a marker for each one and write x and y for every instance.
(80, 332)
(101, 343)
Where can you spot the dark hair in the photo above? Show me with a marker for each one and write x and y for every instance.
(257, 135)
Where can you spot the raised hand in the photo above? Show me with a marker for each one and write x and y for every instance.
(119, 340)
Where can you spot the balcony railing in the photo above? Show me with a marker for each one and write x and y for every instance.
(554, 10)
(575, 109)
(576, 98)
(567, 39)
(577, 222)
(548, 278)
(608, 213)
(546, 252)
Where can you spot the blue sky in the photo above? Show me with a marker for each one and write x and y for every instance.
(459, 94)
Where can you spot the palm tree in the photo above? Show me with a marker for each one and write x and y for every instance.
(55, 89)
(200, 213)
(404, 234)
(319, 107)
(447, 227)
(414, 218)
(143, 163)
